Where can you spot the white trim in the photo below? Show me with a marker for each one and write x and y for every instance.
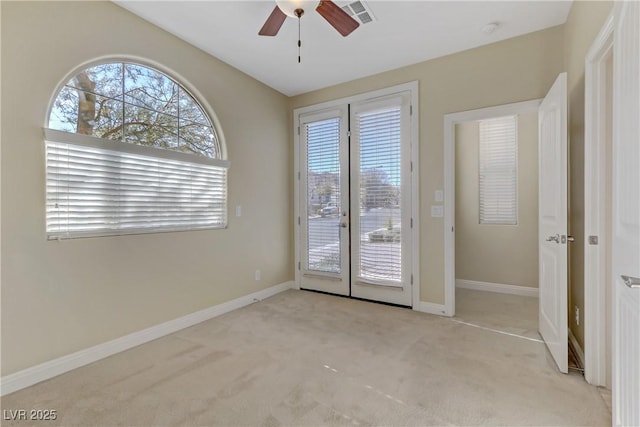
(595, 333)
(297, 259)
(450, 121)
(415, 192)
(52, 368)
(573, 342)
(413, 88)
(430, 308)
(525, 291)
(367, 96)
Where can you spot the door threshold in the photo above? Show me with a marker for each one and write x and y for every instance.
(357, 298)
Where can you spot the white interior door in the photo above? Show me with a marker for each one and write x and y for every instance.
(324, 201)
(381, 200)
(626, 215)
(552, 222)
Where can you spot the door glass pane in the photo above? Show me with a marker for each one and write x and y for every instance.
(380, 183)
(323, 195)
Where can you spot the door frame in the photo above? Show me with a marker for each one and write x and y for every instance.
(411, 87)
(450, 122)
(595, 333)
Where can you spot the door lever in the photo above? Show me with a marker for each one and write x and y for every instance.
(555, 238)
(632, 282)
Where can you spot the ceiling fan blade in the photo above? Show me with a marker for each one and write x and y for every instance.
(337, 17)
(273, 23)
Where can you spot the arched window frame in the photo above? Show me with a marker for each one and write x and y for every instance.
(210, 172)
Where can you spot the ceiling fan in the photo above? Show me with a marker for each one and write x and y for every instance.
(330, 11)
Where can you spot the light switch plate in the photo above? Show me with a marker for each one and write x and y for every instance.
(238, 210)
(439, 195)
(437, 211)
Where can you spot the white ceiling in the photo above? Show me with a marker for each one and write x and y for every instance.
(405, 32)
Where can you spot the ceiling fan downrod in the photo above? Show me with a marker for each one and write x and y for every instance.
(299, 12)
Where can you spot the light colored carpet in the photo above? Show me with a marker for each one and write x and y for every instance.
(513, 314)
(301, 358)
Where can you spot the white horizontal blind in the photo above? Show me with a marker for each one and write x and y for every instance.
(323, 195)
(93, 191)
(380, 177)
(498, 171)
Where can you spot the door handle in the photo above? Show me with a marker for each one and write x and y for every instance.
(632, 282)
(555, 238)
(342, 224)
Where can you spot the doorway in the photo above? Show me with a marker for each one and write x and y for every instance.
(552, 211)
(356, 196)
(451, 121)
(496, 223)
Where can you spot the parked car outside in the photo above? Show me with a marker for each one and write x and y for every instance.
(330, 209)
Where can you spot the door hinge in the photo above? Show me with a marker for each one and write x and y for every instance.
(412, 278)
(411, 110)
(298, 130)
(298, 176)
(411, 163)
(411, 222)
(298, 220)
(298, 265)
(349, 133)
(593, 240)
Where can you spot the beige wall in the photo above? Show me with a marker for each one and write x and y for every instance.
(582, 26)
(518, 69)
(506, 254)
(60, 297)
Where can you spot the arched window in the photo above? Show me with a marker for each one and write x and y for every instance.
(130, 150)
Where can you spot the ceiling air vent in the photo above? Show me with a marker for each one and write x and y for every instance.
(359, 11)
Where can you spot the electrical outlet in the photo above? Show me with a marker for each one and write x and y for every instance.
(257, 275)
(576, 309)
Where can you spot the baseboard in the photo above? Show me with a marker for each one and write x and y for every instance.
(524, 291)
(573, 342)
(431, 308)
(52, 368)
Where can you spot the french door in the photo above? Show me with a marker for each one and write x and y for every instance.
(355, 199)
(324, 202)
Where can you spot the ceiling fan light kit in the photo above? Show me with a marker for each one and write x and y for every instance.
(290, 7)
